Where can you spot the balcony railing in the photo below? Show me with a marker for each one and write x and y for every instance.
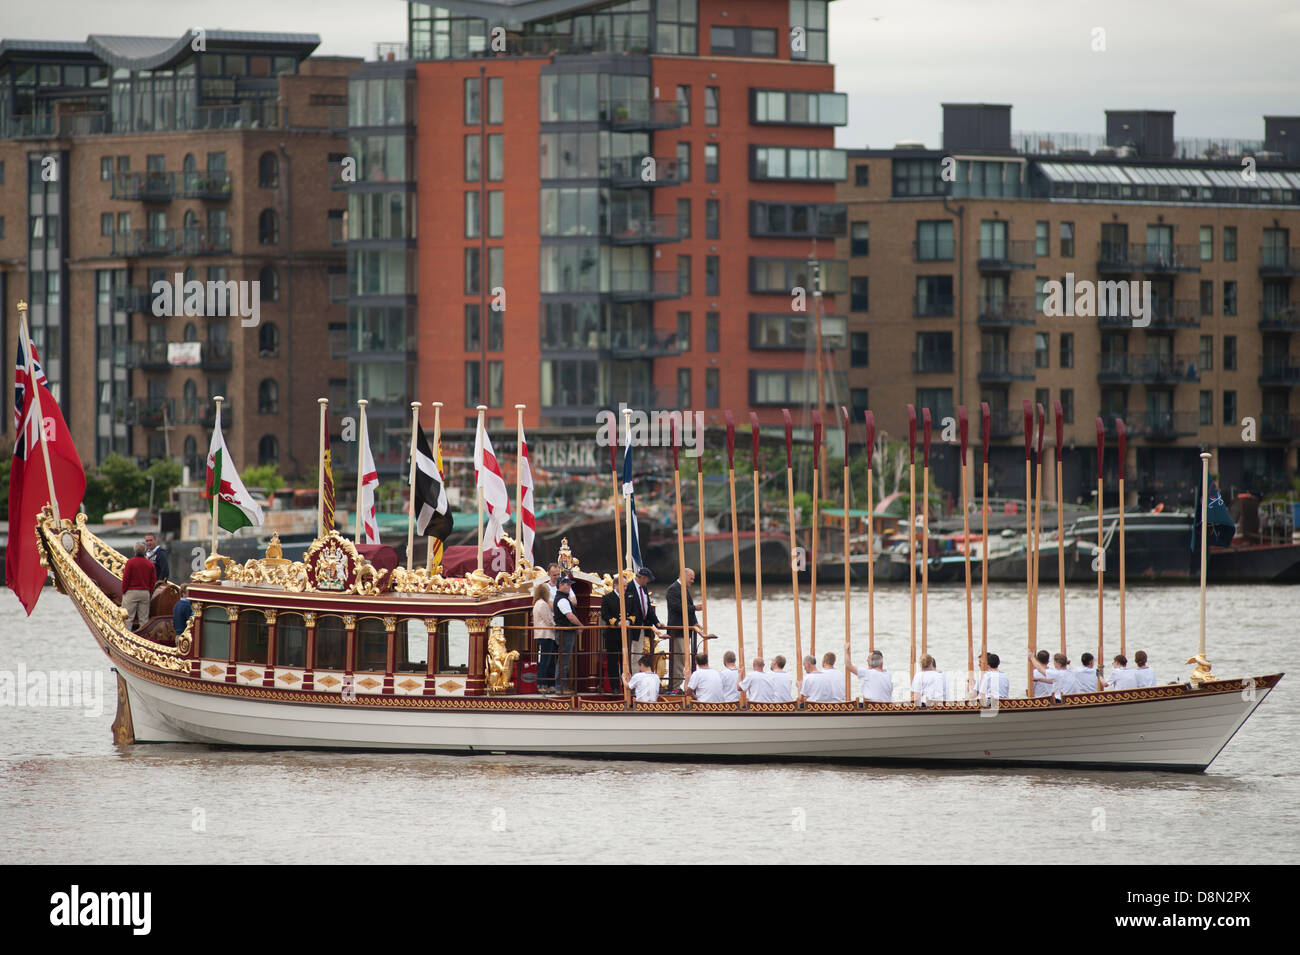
(205, 185)
(149, 356)
(1006, 366)
(1006, 423)
(642, 172)
(1278, 370)
(1003, 256)
(643, 286)
(146, 412)
(1169, 369)
(1168, 313)
(641, 114)
(623, 345)
(158, 356)
(1155, 257)
(1274, 260)
(215, 356)
(144, 186)
(1283, 318)
(938, 251)
(1161, 425)
(646, 230)
(199, 241)
(1006, 311)
(1279, 427)
(208, 413)
(932, 306)
(56, 127)
(930, 363)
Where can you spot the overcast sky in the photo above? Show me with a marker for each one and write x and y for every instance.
(1220, 64)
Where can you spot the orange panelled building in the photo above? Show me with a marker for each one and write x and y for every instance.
(575, 205)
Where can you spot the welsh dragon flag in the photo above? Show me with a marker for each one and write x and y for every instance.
(236, 507)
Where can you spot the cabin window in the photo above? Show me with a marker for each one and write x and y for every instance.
(331, 643)
(216, 634)
(253, 645)
(290, 640)
(453, 646)
(372, 645)
(412, 645)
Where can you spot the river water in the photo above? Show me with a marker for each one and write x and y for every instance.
(67, 795)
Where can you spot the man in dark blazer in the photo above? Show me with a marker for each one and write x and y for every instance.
(612, 635)
(676, 619)
(642, 619)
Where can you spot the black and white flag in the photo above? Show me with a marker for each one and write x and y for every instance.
(432, 512)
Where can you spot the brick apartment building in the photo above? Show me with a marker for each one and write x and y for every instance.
(207, 155)
(643, 179)
(948, 287)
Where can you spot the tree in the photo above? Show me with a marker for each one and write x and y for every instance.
(124, 483)
(166, 474)
(265, 476)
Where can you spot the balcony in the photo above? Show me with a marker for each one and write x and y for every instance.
(1006, 366)
(1000, 312)
(1155, 258)
(932, 307)
(932, 363)
(1161, 425)
(1279, 427)
(216, 356)
(144, 186)
(147, 356)
(1279, 261)
(1279, 318)
(132, 298)
(1005, 256)
(62, 126)
(1148, 369)
(646, 230)
(643, 286)
(1279, 370)
(145, 412)
(641, 114)
(208, 413)
(154, 242)
(643, 343)
(1005, 423)
(205, 185)
(642, 172)
(1170, 314)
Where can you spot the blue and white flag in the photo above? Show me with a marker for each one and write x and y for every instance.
(633, 533)
(1221, 529)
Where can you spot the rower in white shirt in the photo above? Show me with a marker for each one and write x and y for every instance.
(1145, 675)
(1059, 675)
(782, 685)
(757, 684)
(822, 686)
(1121, 677)
(730, 677)
(994, 684)
(1085, 677)
(929, 685)
(705, 685)
(877, 682)
(645, 682)
(1043, 684)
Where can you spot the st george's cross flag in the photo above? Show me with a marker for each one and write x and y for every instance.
(29, 488)
(488, 479)
(528, 520)
(369, 493)
(432, 512)
(235, 506)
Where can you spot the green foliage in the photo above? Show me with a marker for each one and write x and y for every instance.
(166, 474)
(124, 483)
(265, 476)
(95, 501)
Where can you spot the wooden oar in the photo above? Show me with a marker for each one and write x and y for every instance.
(1060, 517)
(735, 539)
(1121, 434)
(681, 559)
(1038, 513)
(870, 420)
(1029, 538)
(844, 419)
(986, 419)
(911, 533)
(619, 583)
(794, 550)
(925, 528)
(1101, 553)
(704, 567)
(816, 530)
(758, 542)
(963, 425)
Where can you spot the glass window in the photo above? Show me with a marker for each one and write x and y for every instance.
(684, 162)
(1067, 240)
(711, 162)
(1207, 297)
(684, 218)
(711, 106)
(1229, 298)
(1042, 350)
(1042, 238)
(106, 168)
(684, 104)
(331, 643)
(473, 328)
(1207, 243)
(216, 634)
(473, 90)
(1230, 243)
(934, 241)
(861, 174)
(254, 642)
(1206, 408)
(496, 214)
(1067, 405)
(496, 157)
(473, 157)
(683, 387)
(472, 271)
(858, 293)
(712, 387)
(684, 331)
(496, 100)
(711, 281)
(471, 215)
(860, 238)
(1229, 353)
(711, 225)
(684, 275)
(1067, 350)
(1205, 356)
(290, 640)
(859, 353)
(712, 332)
(1229, 407)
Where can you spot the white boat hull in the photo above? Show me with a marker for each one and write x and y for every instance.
(1179, 729)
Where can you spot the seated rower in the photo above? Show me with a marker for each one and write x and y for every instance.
(782, 685)
(1085, 677)
(823, 686)
(994, 684)
(1145, 675)
(758, 686)
(645, 682)
(1121, 677)
(1043, 684)
(705, 685)
(929, 685)
(730, 677)
(809, 673)
(877, 682)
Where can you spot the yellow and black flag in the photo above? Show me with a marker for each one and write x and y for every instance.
(327, 486)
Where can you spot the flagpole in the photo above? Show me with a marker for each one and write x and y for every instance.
(925, 528)
(735, 539)
(216, 478)
(627, 498)
(320, 471)
(430, 548)
(478, 489)
(911, 536)
(361, 456)
(1205, 543)
(619, 584)
(519, 488)
(704, 567)
(1058, 411)
(410, 510)
(870, 420)
(1029, 541)
(40, 417)
(964, 426)
(1101, 552)
(758, 543)
(986, 419)
(1120, 432)
(816, 531)
(848, 686)
(794, 560)
(681, 560)
(1038, 519)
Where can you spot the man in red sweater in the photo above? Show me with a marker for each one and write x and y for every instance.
(138, 578)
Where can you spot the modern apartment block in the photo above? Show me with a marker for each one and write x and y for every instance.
(571, 205)
(131, 160)
(951, 252)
